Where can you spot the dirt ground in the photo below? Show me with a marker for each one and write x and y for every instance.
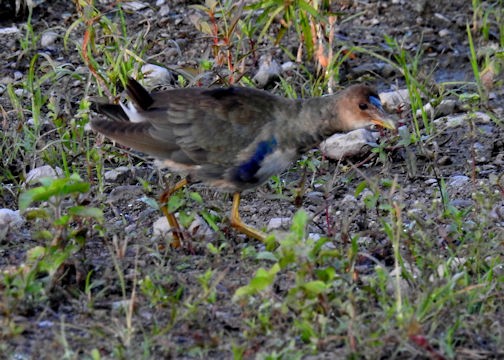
(465, 155)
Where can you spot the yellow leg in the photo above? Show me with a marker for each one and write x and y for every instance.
(239, 225)
(163, 200)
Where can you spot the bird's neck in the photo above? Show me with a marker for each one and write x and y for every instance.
(314, 123)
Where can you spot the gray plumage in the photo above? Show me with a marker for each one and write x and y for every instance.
(233, 138)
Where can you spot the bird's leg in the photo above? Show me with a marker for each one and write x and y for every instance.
(239, 225)
(163, 200)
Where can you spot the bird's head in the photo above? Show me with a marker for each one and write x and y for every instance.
(359, 106)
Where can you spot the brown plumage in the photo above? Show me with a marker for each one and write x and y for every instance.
(233, 138)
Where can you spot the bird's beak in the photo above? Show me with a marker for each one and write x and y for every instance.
(381, 118)
(384, 122)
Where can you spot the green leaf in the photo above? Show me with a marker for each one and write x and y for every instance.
(196, 197)
(299, 222)
(29, 197)
(35, 253)
(360, 188)
(62, 221)
(175, 202)
(84, 211)
(261, 280)
(314, 288)
(266, 255)
(210, 220)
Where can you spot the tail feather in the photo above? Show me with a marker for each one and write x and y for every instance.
(138, 94)
(113, 111)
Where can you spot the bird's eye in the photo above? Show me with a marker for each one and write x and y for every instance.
(363, 106)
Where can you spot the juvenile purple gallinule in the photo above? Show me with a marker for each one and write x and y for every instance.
(232, 138)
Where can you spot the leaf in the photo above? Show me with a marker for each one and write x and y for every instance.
(175, 202)
(299, 222)
(314, 288)
(261, 280)
(90, 212)
(360, 188)
(266, 255)
(33, 195)
(196, 197)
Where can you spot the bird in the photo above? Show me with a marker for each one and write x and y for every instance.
(233, 138)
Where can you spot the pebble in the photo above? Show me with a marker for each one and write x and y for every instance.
(445, 160)
(10, 218)
(393, 99)
(461, 203)
(118, 174)
(164, 11)
(200, 227)
(125, 192)
(9, 30)
(20, 92)
(161, 227)
(155, 75)
(269, 71)
(430, 182)
(458, 120)
(48, 38)
(278, 223)
(348, 199)
(34, 175)
(134, 5)
(458, 180)
(340, 146)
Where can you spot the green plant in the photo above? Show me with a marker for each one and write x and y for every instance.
(223, 29)
(409, 67)
(53, 192)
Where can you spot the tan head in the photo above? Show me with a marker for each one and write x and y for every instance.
(359, 106)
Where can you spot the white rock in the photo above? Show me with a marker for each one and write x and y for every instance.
(114, 174)
(18, 75)
(278, 223)
(164, 11)
(42, 171)
(442, 17)
(9, 30)
(134, 5)
(445, 107)
(348, 199)
(200, 228)
(444, 32)
(288, 66)
(155, 75)
(10, 218)
(458, 180)
(161, 227)
(458, 120)
(340, 146)
(123, 305)
(269, 70)
(48, 38)
(20, 92)
(393, 99)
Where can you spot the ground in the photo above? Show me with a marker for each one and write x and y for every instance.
(426, 203)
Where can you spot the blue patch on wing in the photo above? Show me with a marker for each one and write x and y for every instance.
(375, 101)
(247, 170)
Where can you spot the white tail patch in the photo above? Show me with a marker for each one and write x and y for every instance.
(132, 112)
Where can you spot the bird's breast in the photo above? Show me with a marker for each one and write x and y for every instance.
(272, 164)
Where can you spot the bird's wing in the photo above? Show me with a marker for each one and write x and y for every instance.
(212, 126)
